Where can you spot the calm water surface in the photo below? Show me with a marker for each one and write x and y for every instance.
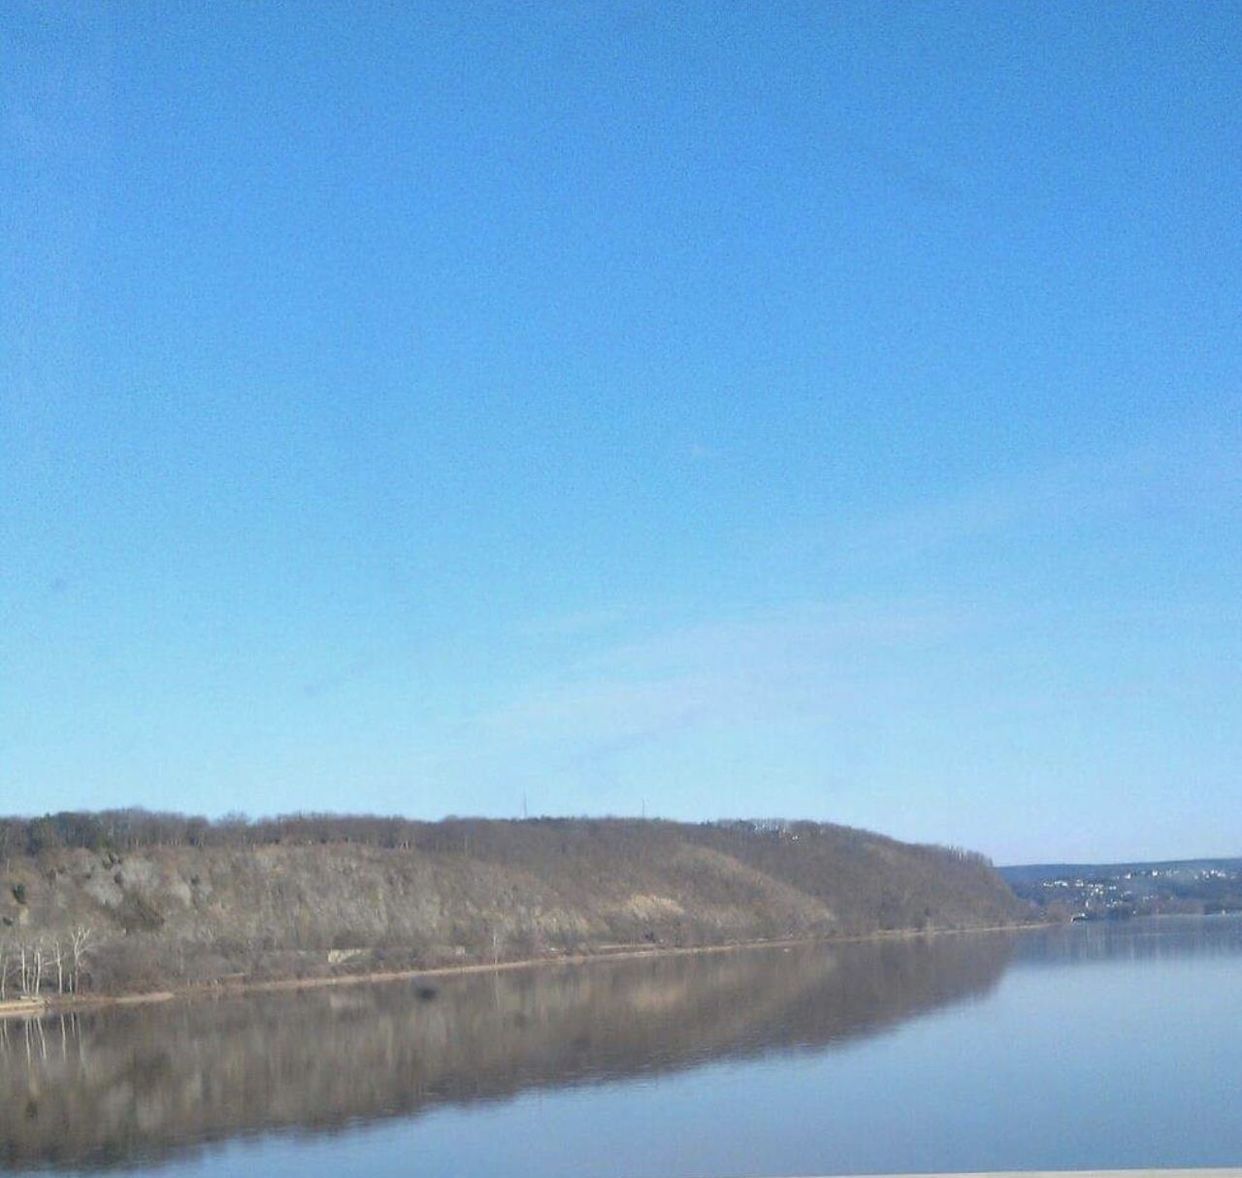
(1083, 1047)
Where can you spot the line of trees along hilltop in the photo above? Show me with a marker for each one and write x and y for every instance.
(160, 899)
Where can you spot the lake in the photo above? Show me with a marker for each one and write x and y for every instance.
(1088, 1046)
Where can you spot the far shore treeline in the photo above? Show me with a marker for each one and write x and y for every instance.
(130, 900)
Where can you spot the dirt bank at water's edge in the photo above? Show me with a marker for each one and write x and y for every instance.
(28, 1007)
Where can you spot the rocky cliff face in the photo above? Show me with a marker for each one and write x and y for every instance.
(160, 916)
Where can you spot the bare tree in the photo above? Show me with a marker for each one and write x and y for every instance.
(80, 938)
(56, 956)
(39, 955)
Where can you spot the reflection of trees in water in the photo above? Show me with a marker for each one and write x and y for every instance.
(130, 1084)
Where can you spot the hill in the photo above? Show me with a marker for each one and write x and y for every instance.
(164, 900)
(1090, 891)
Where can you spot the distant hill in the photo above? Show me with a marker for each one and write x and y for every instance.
(1038, 872)
(1119, 890)
(169, 900)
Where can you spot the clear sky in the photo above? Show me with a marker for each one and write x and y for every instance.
(805, 410)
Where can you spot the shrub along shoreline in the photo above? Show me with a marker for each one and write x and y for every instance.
(54, 1004)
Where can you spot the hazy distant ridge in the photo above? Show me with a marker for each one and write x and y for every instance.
(1037, 872)
(1120, 890)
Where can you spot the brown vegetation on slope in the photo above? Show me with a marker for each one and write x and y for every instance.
(168, 901)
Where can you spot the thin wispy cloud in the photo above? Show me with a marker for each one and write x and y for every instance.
(634, 687)
(1201, 470)
(747, 670)
(575, 623)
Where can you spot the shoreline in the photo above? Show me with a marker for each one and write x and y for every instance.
(26, 1008)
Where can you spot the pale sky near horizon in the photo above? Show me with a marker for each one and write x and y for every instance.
(823, 411)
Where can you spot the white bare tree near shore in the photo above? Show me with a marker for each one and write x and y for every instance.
(38, 956)
(80, 938)
(27, 965)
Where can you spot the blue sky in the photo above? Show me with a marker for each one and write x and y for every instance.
(821, 411)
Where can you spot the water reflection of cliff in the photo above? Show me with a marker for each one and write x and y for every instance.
(128, 1085)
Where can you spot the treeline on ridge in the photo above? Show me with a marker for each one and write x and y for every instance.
(135, 828)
